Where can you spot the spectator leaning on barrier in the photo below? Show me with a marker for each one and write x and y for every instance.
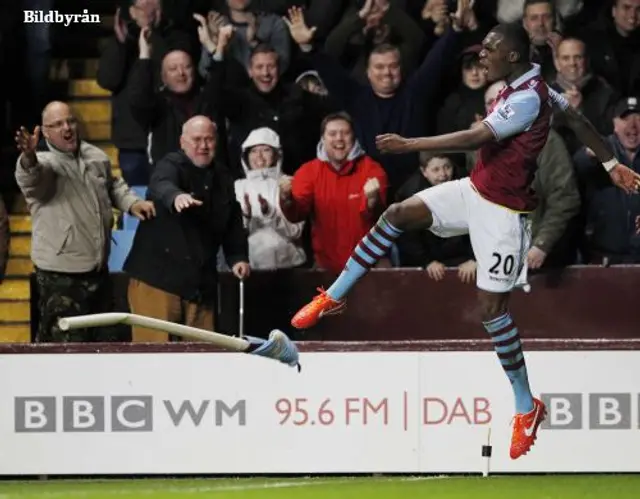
(71, 195)
(172, 263)
(274, 242)
(585, 91)
(388, 103)
(611, 214)
(163, 111)
(118, 56)
(342, 190)
(5, 235)
(422, 248)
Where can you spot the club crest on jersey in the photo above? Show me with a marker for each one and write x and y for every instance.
(505, 112)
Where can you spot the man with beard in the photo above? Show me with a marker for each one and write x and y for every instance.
(71, 194)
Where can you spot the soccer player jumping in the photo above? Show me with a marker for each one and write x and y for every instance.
(491, 206)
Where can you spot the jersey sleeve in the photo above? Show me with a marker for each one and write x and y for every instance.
(558, 99)
(515, 115)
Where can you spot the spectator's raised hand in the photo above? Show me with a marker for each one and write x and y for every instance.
(204, 33)
(252, 29)
(246, 206)
(463, 15)
(436, 270)
(215, 21)
(284, 183)
(573, 96)
(371, 191)
(300, 32)
(224, 37)
(366, 9)
(144, 43)
(120, 27)
(467, 271)
(264, 205)
(27, 143)
(184, 201)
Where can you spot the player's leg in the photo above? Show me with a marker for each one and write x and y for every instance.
(438, 206)
(500, 239)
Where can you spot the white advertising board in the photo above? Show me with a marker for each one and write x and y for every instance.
(344, 413)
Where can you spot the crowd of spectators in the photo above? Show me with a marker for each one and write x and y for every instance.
(296, 92)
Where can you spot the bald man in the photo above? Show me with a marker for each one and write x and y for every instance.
(71, 195)
(172, 265)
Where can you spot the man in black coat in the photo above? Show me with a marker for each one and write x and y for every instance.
(172, 264)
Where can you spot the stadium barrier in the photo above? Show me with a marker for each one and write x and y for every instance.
(346, 412)
(404, 304)
(406, 383)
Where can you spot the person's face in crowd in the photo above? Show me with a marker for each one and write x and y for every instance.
(146, 12)
(627, 129)
(491, 94)
(626, 15)
(238, 4)
(438, 170)
(198, 141)
(60, 127)
(338, 140)
(474, 76)
(538, 21)
(570, 60)
(494, 57)
(384, 73)
(261, 156)
(178, 72)
(263, 70)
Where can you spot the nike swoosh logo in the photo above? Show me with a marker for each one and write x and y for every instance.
(529, 431)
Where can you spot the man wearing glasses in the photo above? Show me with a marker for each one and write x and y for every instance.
(71, 194)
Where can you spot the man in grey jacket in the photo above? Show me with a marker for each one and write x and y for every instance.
(71, 194)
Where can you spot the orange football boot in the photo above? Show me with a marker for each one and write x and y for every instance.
(525, 429)
(321, 305)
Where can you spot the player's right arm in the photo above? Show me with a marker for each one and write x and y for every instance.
(622, 176)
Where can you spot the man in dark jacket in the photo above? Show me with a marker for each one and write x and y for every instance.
(117, 59)
(172, 264)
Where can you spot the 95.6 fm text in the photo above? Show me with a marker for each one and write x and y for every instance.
(348, 411)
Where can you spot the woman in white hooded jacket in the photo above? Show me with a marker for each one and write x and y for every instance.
(274, 242)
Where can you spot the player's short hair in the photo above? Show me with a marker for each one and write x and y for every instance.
(516, 37)
(338, 116)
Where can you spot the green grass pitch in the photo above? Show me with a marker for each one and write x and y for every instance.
(497, 487)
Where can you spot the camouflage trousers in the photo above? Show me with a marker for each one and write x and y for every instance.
(63, 294)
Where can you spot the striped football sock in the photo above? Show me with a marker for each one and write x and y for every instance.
(506, 342)
(367, 253)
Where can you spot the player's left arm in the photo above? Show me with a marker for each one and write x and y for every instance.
(622, 176)
(511, 117)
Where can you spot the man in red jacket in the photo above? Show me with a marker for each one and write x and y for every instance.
(343, 189)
